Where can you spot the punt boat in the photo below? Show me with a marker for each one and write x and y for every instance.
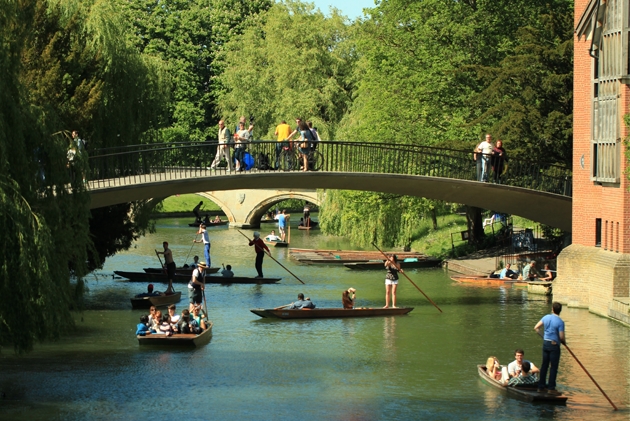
(155, 300)
(529, 393)
(185, 277)
(208, 224)
(378, 264)
(327, 313)
(178, 339)
(277, 243)
(483, 280)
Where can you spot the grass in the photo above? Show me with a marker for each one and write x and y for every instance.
(438, 243)
(186, 203)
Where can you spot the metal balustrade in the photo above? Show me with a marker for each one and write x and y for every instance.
(154, 162)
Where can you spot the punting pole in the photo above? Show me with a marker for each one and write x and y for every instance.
(408, 278)
(269, 254)
(160, 259)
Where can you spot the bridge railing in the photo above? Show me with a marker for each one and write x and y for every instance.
(143, 163)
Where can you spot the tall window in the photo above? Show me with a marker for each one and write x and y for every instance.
(604, 23)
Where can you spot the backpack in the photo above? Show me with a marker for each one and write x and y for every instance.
(263, 162)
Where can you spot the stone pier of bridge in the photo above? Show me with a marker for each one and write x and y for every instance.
(245, 208)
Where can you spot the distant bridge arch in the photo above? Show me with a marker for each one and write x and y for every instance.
(245, 208)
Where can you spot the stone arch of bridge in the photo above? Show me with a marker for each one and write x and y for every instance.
(257, 212)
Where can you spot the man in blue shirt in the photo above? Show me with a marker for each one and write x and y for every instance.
(282, 224)
(507, 272)
(553, 336)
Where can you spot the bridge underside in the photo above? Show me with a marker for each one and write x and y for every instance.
(547, 208)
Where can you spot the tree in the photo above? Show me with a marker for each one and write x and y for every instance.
(60, 63)
(189, 35)
(292, 62)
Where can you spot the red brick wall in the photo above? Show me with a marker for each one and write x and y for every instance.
(591, 201)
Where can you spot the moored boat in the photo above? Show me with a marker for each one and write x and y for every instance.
(180, 277)
(315, 256)
(155, 300)
(178, 339)
(326, 313)
(529, 393)
(483, 280)
(378, 264)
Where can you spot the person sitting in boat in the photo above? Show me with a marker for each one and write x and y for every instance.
(506, 272)
(515, 367)
(272, 236)
(529, 271)
(165, 327)
(494, 370)
(299, 304)
(143, 326)
(548, 273)
(227, 272)
(149, 293)
(526, 376)
(173, 317)
(183, 326)
(194, 263)
(197, 321)
(156, 321)
(217, 219)
(152, 311)
(348, 297)
(301, 224)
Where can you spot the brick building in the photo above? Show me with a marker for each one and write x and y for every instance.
(594, 271)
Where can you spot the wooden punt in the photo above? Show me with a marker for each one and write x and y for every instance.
(178, 339)
(378, 265)
(527, 393)
(277, 243)
(179, 277)
(483, 280)
(186, 270)
(314, 256)
(328, 313)
(157, 300)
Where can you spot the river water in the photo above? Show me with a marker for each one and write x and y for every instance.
(420, 366)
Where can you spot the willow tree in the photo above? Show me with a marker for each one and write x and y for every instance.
(58, 66)
(293, 61)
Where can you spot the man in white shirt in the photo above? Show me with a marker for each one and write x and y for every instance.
(515, 367)
(485, 149)
(205, 239)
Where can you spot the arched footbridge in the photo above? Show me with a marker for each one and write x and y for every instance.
(534, 190)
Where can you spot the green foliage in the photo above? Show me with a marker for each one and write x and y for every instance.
(528, 99)
(292, 62)
(188, 35)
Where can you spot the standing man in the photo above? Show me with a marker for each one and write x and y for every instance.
(553, 335)
(205, 239)
(223, 150)
(259, 248)
(282, 131)
(485, 150)
(196, 286)
(282, 224)
(170, 266)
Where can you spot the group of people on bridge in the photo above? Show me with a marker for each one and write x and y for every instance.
(490, 156)
(308, 139)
